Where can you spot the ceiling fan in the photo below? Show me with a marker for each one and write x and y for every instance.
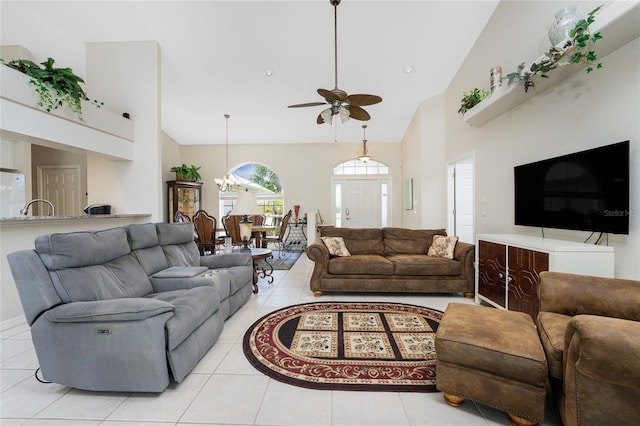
(340, 103)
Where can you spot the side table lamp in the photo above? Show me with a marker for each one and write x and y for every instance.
(246, 206)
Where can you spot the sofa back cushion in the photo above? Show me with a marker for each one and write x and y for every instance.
(358, 240)
(145, 246)
(177, 242)
(409, 241)
(92, 265)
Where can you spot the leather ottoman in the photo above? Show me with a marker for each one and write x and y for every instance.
(494, 357)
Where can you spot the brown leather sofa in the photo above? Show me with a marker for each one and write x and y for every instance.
(390, 260)
(590, 332)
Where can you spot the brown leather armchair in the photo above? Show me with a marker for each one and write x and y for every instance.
(590, 331)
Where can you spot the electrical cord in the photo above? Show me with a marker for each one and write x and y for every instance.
(38, 378)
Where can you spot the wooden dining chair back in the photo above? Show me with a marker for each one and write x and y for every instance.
(232, 228)
(179, 216)
(280, 238)
(205, 226)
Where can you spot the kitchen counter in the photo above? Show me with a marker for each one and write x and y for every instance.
(18, 220)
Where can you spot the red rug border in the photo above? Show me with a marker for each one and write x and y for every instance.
(331, 386)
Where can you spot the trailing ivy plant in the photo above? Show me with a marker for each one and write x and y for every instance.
(56, 86)
(471, 99)
(574, 51)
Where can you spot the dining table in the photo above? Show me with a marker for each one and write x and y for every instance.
(259, 233)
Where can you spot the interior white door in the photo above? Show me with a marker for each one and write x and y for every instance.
(460, 200)
(464, 202)
(361, 203)
(61, 186)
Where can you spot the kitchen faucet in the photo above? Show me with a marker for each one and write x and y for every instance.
(25, 209)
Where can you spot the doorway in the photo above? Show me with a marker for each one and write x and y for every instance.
(460, 190)
(61, 186)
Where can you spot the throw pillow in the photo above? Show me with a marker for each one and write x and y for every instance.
(336, 246)
(442, 246)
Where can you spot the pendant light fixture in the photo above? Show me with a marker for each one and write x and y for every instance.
(364, 155)
(229, 183)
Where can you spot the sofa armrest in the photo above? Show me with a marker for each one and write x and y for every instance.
(465, 253)
(162, 284)
(572, 294)
(129, 309)
(318, 253)
(602, 349)
(226, 260)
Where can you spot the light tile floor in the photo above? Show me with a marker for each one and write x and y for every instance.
(224, 389)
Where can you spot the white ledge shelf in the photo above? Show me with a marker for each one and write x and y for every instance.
(618, 23)
(100, 131)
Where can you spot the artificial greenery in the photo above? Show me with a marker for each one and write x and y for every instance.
(56, 86)
(574, 51)
(471, 99)
(187, 173)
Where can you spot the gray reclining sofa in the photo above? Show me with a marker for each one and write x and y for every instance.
(126, 309)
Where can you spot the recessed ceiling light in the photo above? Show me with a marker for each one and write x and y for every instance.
(408, 69)
(268, 72)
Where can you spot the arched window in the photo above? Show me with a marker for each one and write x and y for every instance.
(357, 167)
(264, 182)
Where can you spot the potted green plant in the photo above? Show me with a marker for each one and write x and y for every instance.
(56, 86)
(574, 51)
(187, 173)
(471, 99)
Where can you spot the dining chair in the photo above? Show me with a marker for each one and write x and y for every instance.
(280, 237)
(230, 223)
(179, 216)
(205, 226)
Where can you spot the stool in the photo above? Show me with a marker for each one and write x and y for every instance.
(494, 357)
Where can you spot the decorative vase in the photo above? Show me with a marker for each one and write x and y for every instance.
(566, 20)
(296, 211)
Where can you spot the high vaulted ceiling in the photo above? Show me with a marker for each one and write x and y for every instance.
(215, 55)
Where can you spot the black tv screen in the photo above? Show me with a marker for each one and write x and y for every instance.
(587, 191)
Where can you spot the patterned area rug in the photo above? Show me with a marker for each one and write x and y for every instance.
(347, 346)
(285, 262)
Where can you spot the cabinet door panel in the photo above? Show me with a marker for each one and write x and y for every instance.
(524, 274)
(492, 271)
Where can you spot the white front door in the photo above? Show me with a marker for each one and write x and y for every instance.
(61, 186)
(361, 203)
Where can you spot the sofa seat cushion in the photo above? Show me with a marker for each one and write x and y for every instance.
(192, 308)
(551, 329)
(421, 264)
(369, 264)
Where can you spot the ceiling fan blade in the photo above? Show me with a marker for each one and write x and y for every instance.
(358, 113)
(329, 95)
(307, 104)
(363, 100)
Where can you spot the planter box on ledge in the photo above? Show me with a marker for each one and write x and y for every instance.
(100, 131)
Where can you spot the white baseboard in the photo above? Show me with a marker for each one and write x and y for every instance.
(12, 322)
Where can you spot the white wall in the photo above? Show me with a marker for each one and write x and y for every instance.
(305, 170)
(126, 77)
(582, 112)
(423, 160)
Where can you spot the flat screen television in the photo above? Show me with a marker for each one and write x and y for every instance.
(587, 191)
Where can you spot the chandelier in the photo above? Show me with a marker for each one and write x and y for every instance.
(229, 183)
(364, 155)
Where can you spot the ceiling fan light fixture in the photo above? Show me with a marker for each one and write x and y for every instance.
(327, 116)
(344, 114)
